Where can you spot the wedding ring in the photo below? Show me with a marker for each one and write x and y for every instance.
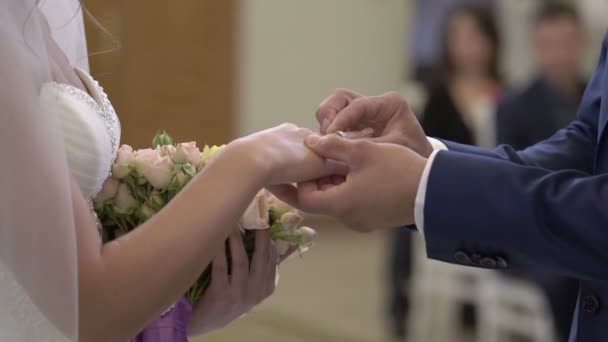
(366, 133)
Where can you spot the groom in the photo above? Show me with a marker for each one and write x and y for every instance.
(543, 209)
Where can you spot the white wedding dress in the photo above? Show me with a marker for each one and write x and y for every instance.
(91, 132)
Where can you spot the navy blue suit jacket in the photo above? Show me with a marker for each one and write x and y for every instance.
(543, 209)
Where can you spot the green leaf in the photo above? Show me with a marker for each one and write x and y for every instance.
(189, 169)
(273, 216)
(161, 139)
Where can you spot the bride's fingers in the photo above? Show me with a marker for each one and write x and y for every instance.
(240, 261)
(219, 270)
(261, 254)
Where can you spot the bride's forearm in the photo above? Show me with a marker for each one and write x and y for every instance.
(136, 277)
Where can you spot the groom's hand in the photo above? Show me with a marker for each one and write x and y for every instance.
(379, 190)
(389, 115)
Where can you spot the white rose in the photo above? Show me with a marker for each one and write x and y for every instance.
(290, 220)
(159, 174)
(307, 236)
(124, 201)
(144, 160)
(256, 216)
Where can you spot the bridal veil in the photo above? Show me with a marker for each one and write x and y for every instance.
(67, 26)
(38, 261)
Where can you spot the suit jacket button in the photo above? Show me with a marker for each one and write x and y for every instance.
(488, 262)
(501, 262)
(462, 258)
(591, 305)
(476, 259)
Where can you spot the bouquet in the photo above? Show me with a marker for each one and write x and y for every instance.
(143, 181)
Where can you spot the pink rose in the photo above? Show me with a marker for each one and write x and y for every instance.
(124, 155)
(256, 215)
(159, 174)
(187, 153)
(144, 160)
(124, 201)
(123, 163)
(290, 220)
(108, 190)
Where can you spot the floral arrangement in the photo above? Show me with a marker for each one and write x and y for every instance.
(143, 181)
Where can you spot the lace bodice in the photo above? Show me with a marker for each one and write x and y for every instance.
(91, 135)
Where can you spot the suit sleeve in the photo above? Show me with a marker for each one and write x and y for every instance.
(527, 217)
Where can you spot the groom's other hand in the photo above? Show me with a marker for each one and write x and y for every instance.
(379, 190)
(389, 115)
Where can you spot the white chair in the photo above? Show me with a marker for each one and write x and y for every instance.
(512, 307)
(505, 306)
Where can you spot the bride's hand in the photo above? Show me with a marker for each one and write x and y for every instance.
(229, 296)
(281, 154)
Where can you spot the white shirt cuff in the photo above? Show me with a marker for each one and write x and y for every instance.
(436, 144)
(421, 193)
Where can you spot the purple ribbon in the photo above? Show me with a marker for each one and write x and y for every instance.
(172, 326)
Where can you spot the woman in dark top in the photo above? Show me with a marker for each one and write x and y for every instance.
(461, 107)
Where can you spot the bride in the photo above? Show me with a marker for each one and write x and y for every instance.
(58, 137)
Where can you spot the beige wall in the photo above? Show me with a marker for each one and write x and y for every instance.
(295, 52)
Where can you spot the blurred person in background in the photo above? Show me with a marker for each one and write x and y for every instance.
(535, 112)
(426, 35)
(462, 102)
(461, 108)
(549, 102)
